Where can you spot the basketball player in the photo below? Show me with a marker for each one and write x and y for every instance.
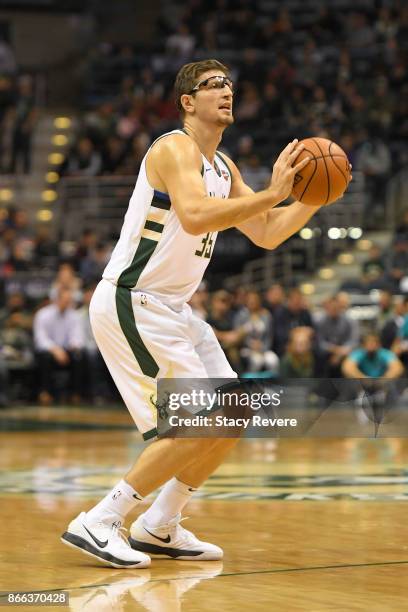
(185, 193)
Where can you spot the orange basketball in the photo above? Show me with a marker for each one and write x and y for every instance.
(326, 177)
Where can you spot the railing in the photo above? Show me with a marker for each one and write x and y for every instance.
(101, 202)
(280, 265)
(96, 202)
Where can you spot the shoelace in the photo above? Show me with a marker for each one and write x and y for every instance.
(185, 533)
(121, 533)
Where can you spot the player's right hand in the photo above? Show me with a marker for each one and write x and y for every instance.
(283, 173)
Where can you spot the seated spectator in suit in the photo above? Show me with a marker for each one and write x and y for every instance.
(59, 343)
(371, 360)
(335, 334)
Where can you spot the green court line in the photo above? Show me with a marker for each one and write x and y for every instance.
(222, 575)
(13, 425)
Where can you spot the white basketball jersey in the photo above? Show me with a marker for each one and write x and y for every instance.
(154, 253)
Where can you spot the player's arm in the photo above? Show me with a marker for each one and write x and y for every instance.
(177, 161)
(272, 227)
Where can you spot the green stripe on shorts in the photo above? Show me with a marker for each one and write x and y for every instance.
(127, 323)
(148, 435)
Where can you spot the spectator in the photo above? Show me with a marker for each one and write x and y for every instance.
(84, 160)
(16, 341)
(67, 279)
(275, 299)
(385, 308)
(113, 155)
(96, 377)
(256, 323)
(299, 360)
(254, 174)
(221, 319)
(181, 44)
(248, 107)
(374, 266)
(45, 249)
(374, 161)
(370, 360)
(59, 344)
(16, 305)
(397, 265)
(294, 314)
(400, 344)
(8, 64)
(6, 104)
(401, 232)
(93, 265)
(3, 382)
(199, 301)
(24, 119)
(390, 330)
(85, 244)
(335, 337)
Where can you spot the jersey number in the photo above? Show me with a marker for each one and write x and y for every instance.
(208, 243)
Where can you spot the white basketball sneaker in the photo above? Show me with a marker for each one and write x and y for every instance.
(103, 542)
(171, 540)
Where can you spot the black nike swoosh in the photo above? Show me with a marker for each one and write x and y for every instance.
(165, 540)
(97, 542)
(137, 497)
(190, 489)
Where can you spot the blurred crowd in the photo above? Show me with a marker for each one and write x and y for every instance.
(302, 70)
(385, 269)
(47, 350)
(333, 71)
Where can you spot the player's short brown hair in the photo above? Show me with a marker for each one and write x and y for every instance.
(189, 74)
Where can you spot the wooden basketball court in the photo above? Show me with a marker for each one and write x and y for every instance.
(316, 524)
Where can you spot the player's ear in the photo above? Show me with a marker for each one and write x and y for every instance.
(187, 102)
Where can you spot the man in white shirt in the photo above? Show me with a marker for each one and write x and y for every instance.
(59, 343)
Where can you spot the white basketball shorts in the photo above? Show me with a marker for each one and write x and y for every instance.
(141, 339)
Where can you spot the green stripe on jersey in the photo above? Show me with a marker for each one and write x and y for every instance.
(127, 323)
(159, 203)
(154, 226)
(144, 251)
